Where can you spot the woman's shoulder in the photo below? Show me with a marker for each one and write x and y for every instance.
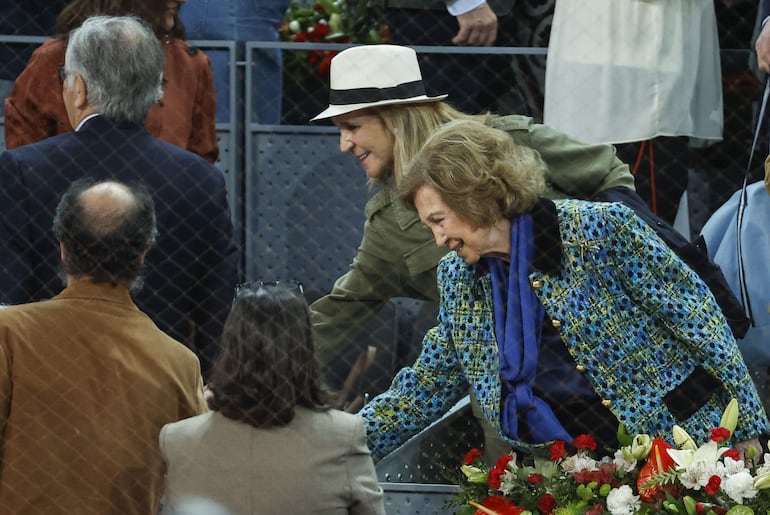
(576, 206)
(182, 49)
(329, 417)
(597, 219)
(189, 425)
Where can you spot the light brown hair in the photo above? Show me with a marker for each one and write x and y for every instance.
(481, 174)
(411, 125)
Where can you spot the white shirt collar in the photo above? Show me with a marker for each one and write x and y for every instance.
(84, 120)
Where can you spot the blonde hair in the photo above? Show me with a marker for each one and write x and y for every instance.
(411, 125)
(481, 174)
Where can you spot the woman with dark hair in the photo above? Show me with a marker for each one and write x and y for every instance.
(271, 444)
(184, 117)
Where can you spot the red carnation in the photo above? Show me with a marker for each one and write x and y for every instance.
(320, 31)
(503, 461)
(546, 503)
(733, 453)
(495, 478)
(601, 477)
(720, 434)
(500, 505)
(300, 37)
(584, 442)
(712, 488)
(597, 509)
(471, 456)
(318, 7)
(535, 479)
(557, 450)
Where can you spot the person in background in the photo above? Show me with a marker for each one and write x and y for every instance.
(30, 18)
(474, 82)
(378, 101)
(86, 379)
(644, 76)
(111, 76)
(271, 427)
(762, 41)
(243, 21)
(564, 317)
(184, 116)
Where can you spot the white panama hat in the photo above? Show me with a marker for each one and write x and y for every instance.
(374, 75)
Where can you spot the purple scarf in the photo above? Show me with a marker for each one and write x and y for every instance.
(518, 325)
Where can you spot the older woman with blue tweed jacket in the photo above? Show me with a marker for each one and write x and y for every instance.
(563, 317)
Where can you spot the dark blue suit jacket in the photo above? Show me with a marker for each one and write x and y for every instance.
(190, 273)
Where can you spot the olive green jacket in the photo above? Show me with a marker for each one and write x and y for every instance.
(500, 7)
(398, 255)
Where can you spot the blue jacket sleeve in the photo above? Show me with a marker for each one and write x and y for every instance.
(420, 394)
(15, 266)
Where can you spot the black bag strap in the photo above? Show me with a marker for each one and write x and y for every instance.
(744, 202)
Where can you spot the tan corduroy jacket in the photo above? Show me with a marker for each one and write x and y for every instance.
(86, 383)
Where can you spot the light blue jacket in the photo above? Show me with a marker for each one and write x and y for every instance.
(721, 235)
(636, 320)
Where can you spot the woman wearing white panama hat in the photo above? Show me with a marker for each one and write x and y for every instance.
(378, 101)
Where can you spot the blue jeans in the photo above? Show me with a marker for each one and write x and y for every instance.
(242, 20)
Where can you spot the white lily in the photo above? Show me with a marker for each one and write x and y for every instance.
(474, 474)
(641, 446)
(730, 416)
(683, 439)
(708, 453)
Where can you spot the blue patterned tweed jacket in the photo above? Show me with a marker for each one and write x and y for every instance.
(638, 322)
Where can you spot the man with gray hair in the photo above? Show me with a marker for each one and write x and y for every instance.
(86, 379)
(111, 76)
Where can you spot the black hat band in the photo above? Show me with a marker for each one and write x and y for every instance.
(370, 95)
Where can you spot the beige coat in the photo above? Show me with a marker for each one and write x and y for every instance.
(318, 463)
(86, 383)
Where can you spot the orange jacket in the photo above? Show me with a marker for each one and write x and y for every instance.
(184, 117)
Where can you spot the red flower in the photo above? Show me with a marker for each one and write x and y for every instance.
(546, 503)
(495, 477)
(318, 7)
(471, 456)
(535, 479)
(503, 461)
(597, 509)
(584, 442)
(498, 470)
(326, 63)
(314, 56)
(720, 434)
(601, 477)
(712, 488)
(557, 450)
(300, 37)
(500, 505)
(733, 453)
(320, 31)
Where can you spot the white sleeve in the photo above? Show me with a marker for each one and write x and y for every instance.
(458, 7)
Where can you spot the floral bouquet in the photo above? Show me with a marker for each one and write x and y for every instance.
(330, 21)
(646, 475)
